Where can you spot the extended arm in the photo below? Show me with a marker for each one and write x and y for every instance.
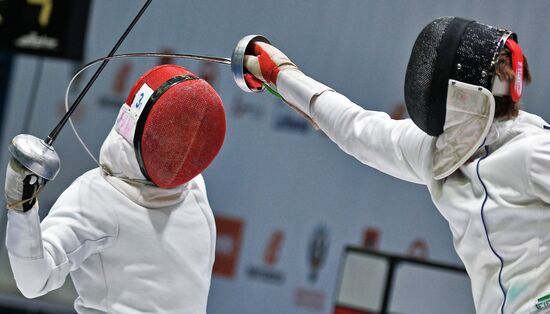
(398, 148)
(395, 147)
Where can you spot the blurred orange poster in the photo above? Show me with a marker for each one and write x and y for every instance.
(228, 245)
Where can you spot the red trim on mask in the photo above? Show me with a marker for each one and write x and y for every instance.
(516, 87)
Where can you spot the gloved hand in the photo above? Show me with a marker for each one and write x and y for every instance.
(22, 187)
(265, 65)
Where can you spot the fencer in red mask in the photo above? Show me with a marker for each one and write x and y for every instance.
(137, 234)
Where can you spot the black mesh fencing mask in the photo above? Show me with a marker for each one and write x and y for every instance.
(448, 87)
(449, 48)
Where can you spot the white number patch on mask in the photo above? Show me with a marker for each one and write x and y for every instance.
(128, 115)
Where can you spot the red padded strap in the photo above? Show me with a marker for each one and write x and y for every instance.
(516, 88)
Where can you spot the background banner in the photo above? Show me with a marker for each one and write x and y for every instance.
(287, 199)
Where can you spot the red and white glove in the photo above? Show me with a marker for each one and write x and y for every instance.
(22, 187)
(270, 66)
(265, 65)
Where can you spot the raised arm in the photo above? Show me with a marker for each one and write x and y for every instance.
(41, 255)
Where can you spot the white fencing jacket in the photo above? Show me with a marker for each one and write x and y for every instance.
(497, 204)
(129, 247)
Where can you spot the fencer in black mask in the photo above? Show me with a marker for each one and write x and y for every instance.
(485, 162)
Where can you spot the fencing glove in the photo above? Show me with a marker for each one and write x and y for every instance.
(269, 65)
(267, 62)
(22, 187)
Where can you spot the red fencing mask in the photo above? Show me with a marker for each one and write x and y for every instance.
(176, 123)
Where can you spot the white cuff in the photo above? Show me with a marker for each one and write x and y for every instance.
(24, 236)
(298, 89)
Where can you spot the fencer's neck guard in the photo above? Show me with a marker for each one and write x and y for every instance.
(448, 84)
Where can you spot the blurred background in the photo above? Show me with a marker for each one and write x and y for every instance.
(287, 201)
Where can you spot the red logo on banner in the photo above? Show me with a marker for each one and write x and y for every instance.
(371, 238)
(273, 249)
(418, 249)
(267, 272)
(166, 60)
(228, 245)
(209, 72)
(121, 78)
(119, 88)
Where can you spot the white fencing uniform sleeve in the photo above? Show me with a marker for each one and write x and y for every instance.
(538, 165)
(41, 255)
(203, 199)
(395, 147)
